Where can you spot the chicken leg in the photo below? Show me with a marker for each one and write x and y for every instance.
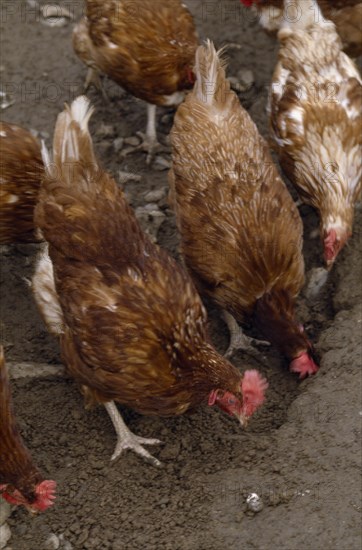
(127, 439)
(149, 139)
(239, 340)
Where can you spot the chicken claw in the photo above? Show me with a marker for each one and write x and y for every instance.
(149, 139)
(239, 340)
(127, 439)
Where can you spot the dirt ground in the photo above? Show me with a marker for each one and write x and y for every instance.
(301, 453)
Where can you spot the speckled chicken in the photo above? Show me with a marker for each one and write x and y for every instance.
(241, 232)
(21, 170)
(345, 14)
(131, 324)
(316, 120)
(21, 483)
(146, 46)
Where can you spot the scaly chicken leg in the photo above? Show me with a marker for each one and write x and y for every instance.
(239, 340)
(149, 139)
(127, 439)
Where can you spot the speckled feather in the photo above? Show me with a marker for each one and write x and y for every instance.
(134, 325)
(317, 129)
(345, 14)
(241, 231)
(21, 170)
(147, 47)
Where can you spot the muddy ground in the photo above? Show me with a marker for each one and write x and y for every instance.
(301, 453)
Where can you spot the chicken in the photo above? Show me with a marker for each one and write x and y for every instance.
(133, 328)
(241, 233)
(146, 47)
(21, 170)
(316, 120)
(345, 14)
(21, 482)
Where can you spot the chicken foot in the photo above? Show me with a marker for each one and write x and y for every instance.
(128, 440)
(239, 340)
(149, 139)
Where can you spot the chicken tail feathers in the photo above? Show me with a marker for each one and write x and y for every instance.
(81, 211)
(211, 86)
(72, 142)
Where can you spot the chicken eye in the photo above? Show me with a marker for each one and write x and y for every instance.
(231, 401)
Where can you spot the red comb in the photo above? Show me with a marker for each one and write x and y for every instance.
(249, 3)
(253, 386)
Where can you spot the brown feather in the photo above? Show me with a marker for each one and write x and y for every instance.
(241, 231)
(134, 325)
(21, 170)
(147, 47)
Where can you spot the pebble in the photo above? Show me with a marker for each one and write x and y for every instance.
(246, 78)
(132, 140)
(5, 511)
(123, 177)
(161, 164)
(156, 195)
(5, 535)
(52, 542)
(105, 130)
(118, 144)
(254, 503)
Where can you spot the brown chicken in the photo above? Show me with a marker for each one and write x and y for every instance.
(21, 170)
(20, 480)
(345, 14)
(133, 326)
(146, 46)
(241, 232)
(316, 121)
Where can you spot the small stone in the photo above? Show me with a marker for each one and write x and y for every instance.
(118, 144)
(254, 503)
(5, 511)
(161, 164)
(246, 78)
(123, 177)
(132, 140)
(52, 542)
(156, 195)
(5, 535)
(105, 130)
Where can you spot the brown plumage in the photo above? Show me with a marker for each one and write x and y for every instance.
(21, 170)
(20, 480)
(146, 46)
(345, 14)
(134, 328)
(316, 119)
(241, 232)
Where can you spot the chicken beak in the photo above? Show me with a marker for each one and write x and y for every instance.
(243, 419)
